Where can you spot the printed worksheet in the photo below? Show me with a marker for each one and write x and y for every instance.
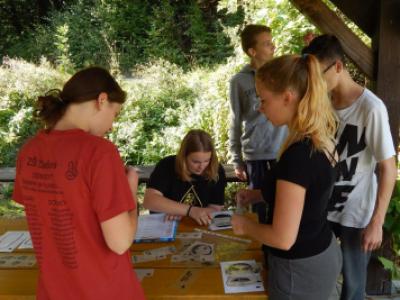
(154, 228)
(221, 220)
(10, 240)
(241, 276)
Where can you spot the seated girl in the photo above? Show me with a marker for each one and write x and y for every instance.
(191, 183)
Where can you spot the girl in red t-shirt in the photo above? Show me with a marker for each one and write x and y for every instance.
(79, 200)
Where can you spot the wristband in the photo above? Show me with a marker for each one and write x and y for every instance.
(188, 211)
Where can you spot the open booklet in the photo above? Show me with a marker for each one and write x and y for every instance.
(154, 228)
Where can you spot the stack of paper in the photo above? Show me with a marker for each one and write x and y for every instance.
(155, 228)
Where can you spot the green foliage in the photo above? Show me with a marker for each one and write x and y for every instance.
(121, 34)
(9, 208)
(390, 266)
(288, 25)
(16, 18)
(164, 35)
(209, 44)
(20, 86)
(392, 226)
(392, 220)
(164, 103)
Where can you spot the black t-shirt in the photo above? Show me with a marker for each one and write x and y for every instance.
(199, 192)
(311, 169)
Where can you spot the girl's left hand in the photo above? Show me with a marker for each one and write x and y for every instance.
(239, 224)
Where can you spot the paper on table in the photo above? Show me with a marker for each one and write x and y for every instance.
(12, 239)
(241, 276)
(142, 273)
(27, 243)
(154, 228)
(17, 261)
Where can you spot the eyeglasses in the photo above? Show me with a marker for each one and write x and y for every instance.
(328, 67)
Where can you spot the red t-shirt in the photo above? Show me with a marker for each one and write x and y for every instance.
(69, 182)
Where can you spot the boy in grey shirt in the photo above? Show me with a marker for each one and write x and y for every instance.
(254, 141)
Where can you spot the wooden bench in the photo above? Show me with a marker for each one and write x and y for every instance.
(8, 174)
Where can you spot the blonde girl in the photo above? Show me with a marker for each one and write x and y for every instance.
(304, 259)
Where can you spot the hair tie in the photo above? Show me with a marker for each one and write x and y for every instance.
(56, 94)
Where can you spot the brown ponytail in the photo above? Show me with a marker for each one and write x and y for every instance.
(85, 85)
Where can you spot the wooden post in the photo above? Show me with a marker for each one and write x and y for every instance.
(387, 43)
(388, 77)
(328, 22)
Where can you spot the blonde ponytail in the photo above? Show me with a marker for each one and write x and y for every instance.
(315, 117)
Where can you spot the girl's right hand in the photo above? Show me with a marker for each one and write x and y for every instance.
(244, 197)
(201, 215)
(133, 179)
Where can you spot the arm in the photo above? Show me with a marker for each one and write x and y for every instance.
(282, 233)
(235, 130)
(155, 200)
(372, 235)
(120, 230)
(379, 139)
(246, 197)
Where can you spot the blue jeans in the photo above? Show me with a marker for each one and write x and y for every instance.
(355, 262)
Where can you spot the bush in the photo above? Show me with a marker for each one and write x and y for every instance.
(164, 103)
(20, 86)
(121, 34)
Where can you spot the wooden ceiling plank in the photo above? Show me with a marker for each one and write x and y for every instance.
(328, 22)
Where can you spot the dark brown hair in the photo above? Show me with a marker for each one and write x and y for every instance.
(249, 34)
(196, 140)
(326, 48)
(85, 85)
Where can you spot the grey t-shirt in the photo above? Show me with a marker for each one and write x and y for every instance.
(251, 135)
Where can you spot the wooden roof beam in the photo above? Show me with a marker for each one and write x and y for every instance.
(328, 22)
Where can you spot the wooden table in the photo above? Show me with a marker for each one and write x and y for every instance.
(205, 281)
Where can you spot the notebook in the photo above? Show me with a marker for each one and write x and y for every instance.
(154, 228)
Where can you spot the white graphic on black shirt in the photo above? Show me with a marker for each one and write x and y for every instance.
(191, 197)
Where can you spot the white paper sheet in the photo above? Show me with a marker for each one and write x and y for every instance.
(241, 276)
(142, 273)
(155, 228)
(10, 240)
(221, 220)
(27, 243)
(17, 261)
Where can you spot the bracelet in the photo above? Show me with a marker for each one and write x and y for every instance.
(188, 211)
